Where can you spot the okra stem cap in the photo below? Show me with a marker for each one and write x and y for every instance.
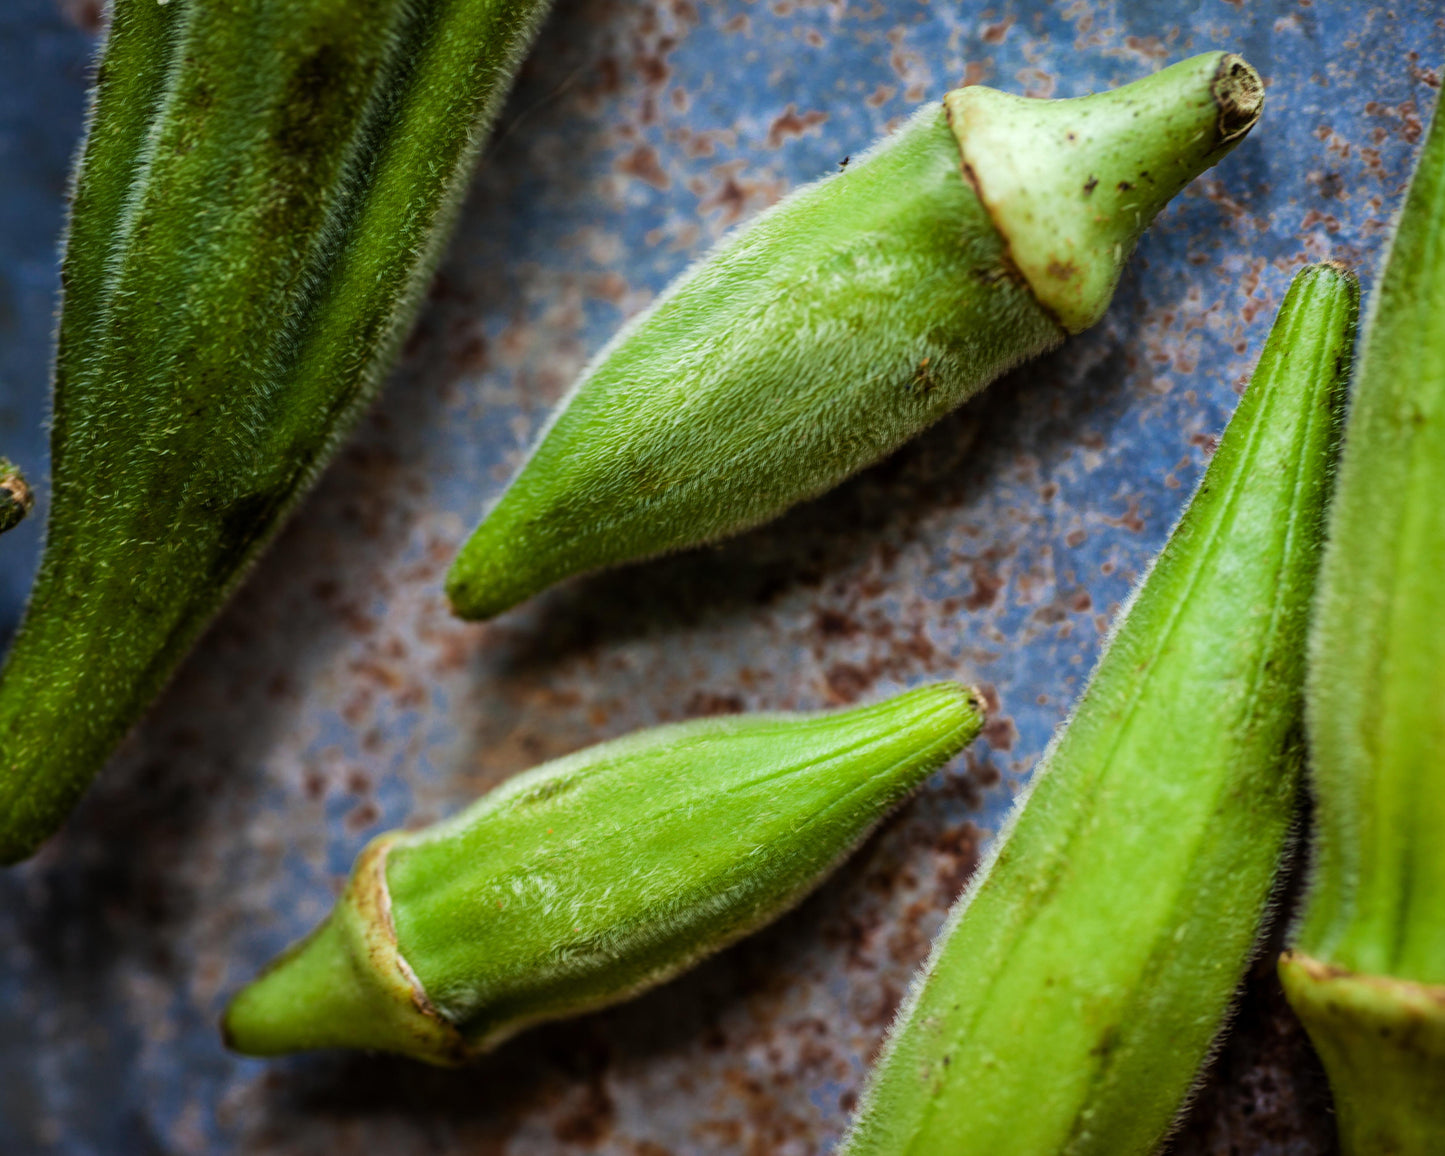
(1071, 184)
(1382, 1042)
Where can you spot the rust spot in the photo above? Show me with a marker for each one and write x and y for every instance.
(1129, 519)
(642, 163)
(793, 124)
(87, 15)
(995, 33)
(986, 582)
(592, 1120)
(1315, 217)
(705, 704)
(835, 624)
(958, 851)
(847, 682)
(975, 72)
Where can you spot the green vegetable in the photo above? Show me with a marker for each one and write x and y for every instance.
(1077, 986)
(1367, 977)
(594, 877)
(849, 317)
(262, 195)
(16, 499)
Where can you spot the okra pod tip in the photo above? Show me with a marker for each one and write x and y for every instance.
(589, 879)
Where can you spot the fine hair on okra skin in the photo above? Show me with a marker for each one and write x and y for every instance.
(1366, 973)
(850, 316)
(1078, 985)
(594, 877)
(262, 195)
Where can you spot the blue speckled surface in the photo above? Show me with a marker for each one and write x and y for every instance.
(336, 697)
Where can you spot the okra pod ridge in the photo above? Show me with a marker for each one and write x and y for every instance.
(847, 318)
(1078, 985)
(1367, 971)
(594, 877)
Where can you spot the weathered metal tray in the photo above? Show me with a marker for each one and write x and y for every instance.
(336, 697)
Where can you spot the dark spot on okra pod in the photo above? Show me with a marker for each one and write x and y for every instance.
(980, 234)
(594, 877)
(1077, 986)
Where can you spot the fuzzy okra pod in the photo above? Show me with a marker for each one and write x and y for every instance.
(1075, 990)
(1367, 975)
(591, 878)
(16, 499)
(849, 317)
(261, 198)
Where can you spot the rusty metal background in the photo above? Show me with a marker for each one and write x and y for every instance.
(336, 697)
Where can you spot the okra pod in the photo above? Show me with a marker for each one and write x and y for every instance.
(16, 499)
(1077, 986)
(261, 198)
(593, 877)
(849, 317)
(1367, 973)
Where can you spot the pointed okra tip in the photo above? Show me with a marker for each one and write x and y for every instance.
(344, 986)
(1071, 184)
(16, 498)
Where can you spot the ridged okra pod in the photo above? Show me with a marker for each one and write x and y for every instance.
(1367, 976)
(1077, 986)
(260, 200)
(594, 877)
(849, 317)
(16, 499)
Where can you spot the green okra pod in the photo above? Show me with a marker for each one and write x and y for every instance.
(16, 499)
(1077, 986)
(1367, 976)
(849, 317)
(593, 877)
(261, 198)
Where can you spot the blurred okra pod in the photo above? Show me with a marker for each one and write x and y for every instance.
(849, 317)
(591, 878)
(1367, 976)
(261, 198)
(1077, 986)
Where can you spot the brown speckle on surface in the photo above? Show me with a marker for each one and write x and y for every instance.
(791, 123)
